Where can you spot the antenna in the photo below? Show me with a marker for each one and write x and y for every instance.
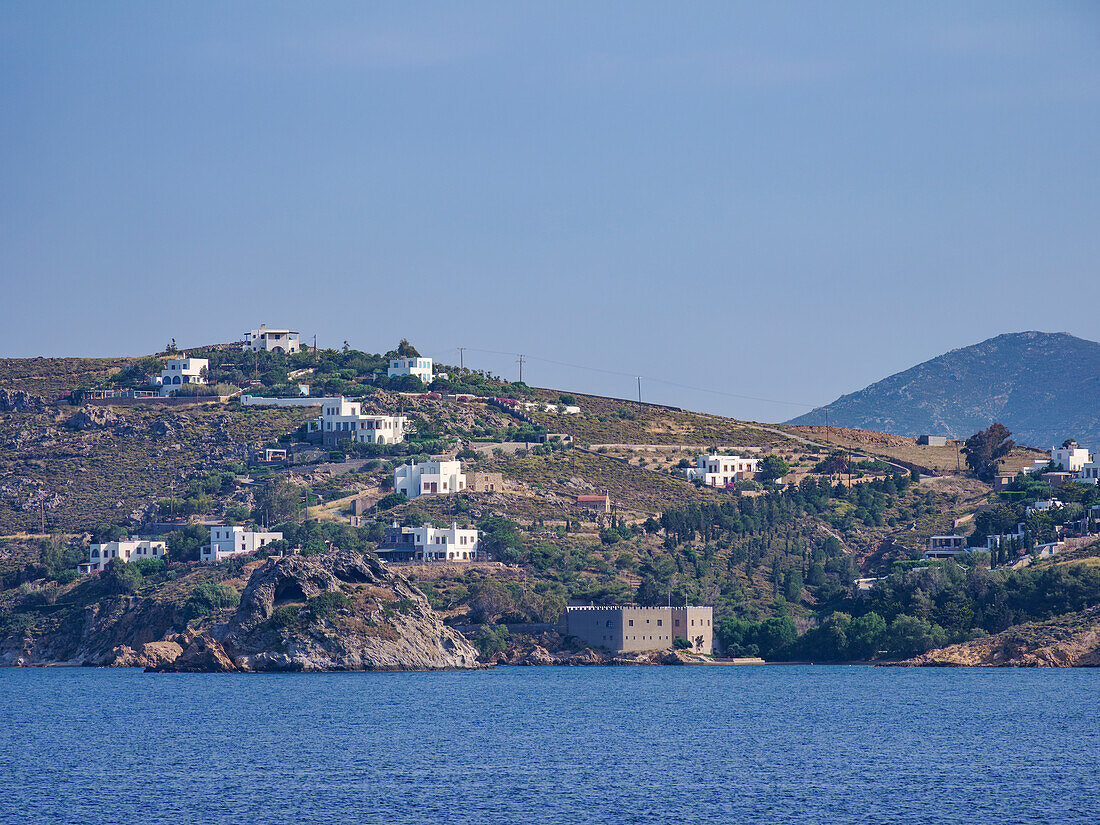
(521, 369)
(639, 389)
(461, 358)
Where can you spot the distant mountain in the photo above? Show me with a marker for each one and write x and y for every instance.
(1045, 387)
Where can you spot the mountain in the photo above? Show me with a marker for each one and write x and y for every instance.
(1045, 387)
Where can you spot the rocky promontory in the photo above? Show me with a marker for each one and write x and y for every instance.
(340, 611)
(1072, 640)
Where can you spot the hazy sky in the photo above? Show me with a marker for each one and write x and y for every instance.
(778, 200)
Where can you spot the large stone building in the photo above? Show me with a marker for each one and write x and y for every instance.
(633, 629)
(484, 482)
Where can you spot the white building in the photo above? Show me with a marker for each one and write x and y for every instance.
(430, 543)
(235, 541)
(1089, 473)
(339, 415)
(100, 554)
(1069, 459)
(420, 367)
(180, 371)
(272, 340)
(722, 470)
(429, 477)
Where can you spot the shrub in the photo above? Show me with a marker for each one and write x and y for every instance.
(206, 598)
(285, 616)
(325, 606)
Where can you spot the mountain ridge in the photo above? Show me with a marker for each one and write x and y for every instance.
(1042, 386)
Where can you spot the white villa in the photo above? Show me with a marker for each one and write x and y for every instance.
(420, 367)
(100, 554)
(722, 470)
(429, 477)
(272, 340)
(234, 541)
(1069, 459)
(180, 371)
(341, 415)
(1089, 473)
(430, 543)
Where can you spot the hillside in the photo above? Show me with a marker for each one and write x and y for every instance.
(1042, 386)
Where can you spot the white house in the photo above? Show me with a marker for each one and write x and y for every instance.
(429, 477)
(1089, 473)
(100, 554)
(272, 340)
(235, 541)
(722, 470)
(1069, 459)
(340, 415)
(430, 543)
(180, 371)
(420, 367)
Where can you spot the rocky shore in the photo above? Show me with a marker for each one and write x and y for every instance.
(1072, 640)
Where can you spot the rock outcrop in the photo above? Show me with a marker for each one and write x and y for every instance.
(20, 401)
(1072, 640)
(340, 611)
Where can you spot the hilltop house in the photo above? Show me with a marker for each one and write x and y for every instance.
(180, 371)
(429, 543)
(341, 418)
(228, 541)
(484, 482)
(1089, 473)
(429, 477)
(420, 367)
(633, 629)
(596, 505)
(100, 554)
(272, 340)
(722, 470)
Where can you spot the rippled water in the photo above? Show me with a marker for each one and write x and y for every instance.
(548, 745)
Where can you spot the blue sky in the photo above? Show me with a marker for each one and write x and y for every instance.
(781, 201)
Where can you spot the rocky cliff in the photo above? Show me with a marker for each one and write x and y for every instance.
(341, 611)
(1072, 640)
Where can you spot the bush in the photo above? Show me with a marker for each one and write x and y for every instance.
(285, 616)
(206, 598)
(391, 501)
(681, 644)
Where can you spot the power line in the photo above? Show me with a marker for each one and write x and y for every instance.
(649, 378)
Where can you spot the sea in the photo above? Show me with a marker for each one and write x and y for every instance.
(768, 744)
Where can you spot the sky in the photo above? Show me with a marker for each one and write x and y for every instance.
(754, 206)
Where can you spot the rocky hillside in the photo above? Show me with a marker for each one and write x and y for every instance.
(340, 611)
(1042, 386)
(1072, 640)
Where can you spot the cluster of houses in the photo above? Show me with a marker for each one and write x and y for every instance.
(225, 541)
(1070, 462)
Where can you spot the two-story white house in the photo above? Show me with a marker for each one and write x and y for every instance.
(100, 554)
(343, 418)
(429, 543)
(272, 340)
(228, 541)
(1069, 459)
(429, 477)
(722, 470)
(420, 367)
(180, 371)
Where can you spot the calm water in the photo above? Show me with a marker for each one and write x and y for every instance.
(549, 745)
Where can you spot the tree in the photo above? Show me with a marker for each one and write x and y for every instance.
(792, 585)
(773, 468)
(489, 600)
(122, 577)
(985, 448)
(278, 501)
(912, 636)
(186, 543)
(865, 636)
(407, 350)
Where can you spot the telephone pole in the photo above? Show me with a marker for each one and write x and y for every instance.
(461, 358)
(639, 389)
(521, 369)
(827, 441)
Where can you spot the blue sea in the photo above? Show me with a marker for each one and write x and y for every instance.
(770, 744)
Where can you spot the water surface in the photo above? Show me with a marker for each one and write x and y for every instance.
(552, 745)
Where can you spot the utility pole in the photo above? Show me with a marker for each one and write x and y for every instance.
(827, 441)
(639, 389)
(521, 369)
(315, 342)
(461, 358)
